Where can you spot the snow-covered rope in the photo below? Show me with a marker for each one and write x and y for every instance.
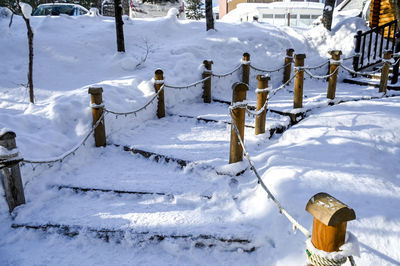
(348, 58)
(320, 77)
(282, 210)
(138, 110)
(316, 67)
(71, 151)
(194, 84)
(269, 71)
(360, 73)
(227, 74)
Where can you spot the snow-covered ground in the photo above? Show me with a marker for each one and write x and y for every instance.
(350, 150)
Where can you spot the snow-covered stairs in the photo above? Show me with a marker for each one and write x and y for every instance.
(164, 179)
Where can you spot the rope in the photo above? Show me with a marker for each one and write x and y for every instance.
(227, 74)
(321, 77)
(269, 71)
(317, 260)
(316, 67)
(187, 86)
(72, 151)
(348, 58)
(361, 73)
(282, 210)
(138, 110)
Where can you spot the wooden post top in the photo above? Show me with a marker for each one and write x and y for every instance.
(387, 54)
(7, 135)
(263, 77)
(289, 51)
(329, 210)
(207, 64)
(159, 74)
(299, 56)
(239, 91)
(246, 56)
(95, 90)
(335, 53)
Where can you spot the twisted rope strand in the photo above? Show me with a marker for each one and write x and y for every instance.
(194, 84)
(269, 71)
(227, 74)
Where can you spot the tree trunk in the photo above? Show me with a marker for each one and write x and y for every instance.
(328, 14)
(209, 15)
(119, 26)
(30, 67)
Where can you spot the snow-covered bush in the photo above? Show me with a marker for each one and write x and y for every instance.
(5, 12)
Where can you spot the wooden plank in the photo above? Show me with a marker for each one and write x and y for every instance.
(81, 189)
(117, 235)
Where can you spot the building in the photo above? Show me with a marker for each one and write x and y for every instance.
(299, 14)
(226, 6)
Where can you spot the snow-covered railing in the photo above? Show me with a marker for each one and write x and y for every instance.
(328, 212)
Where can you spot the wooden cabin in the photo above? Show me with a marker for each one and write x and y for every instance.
(382, 12)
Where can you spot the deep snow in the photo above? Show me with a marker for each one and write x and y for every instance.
(350, 150)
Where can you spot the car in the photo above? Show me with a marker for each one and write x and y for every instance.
(59, 8)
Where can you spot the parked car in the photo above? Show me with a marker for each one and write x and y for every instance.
(59, 8)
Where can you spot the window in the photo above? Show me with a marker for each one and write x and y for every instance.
(279, 16)
(314, 16)
(268, 16)
(304, 16)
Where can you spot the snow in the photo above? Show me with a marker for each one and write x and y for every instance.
(350, 150)
(26, 10)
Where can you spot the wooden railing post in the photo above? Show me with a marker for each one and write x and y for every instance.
(387, 55)
(262, 94)
(238, 117)
(207, 83)
(10, 172)
(96, 94)
(334, 65)
(298, 80)
(288, 65)
(396, 56)
(159, 82)
(330, 221)
(246, 68)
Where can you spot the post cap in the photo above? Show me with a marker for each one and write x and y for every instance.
(263, 77)
(7, 135)
(240, 86)
(300, 56)
(246, 56)
(335, 52)
(207, 64)
(95, 90)
(387, 53)
(289, 51)
(329, 210)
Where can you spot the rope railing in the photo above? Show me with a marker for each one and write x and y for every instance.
(320, 77)
(62, 157)
(271, 196)
(194, 84)
(227, 74)
(138, 110)
(360, 73)
(317, 67)
(269, 71)
(316, 258)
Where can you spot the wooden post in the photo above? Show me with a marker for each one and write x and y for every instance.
(238, 116)
(385, 71)
(298, 80)
(357, 49)
(332, 69)
(261, 99)
(288, 65)
(330, 221)
(10, 172)
(246, 68)
(207, 83)
(97, 111)
(159, 82)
